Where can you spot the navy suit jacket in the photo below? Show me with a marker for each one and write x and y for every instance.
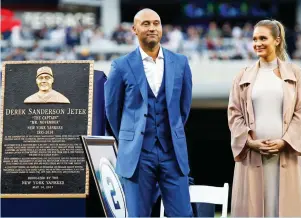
(126, 104)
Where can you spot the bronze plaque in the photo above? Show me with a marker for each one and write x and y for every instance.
(46, 106)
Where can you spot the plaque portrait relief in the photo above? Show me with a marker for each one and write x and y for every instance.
(46, 94)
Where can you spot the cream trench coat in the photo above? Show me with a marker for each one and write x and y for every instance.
(247, 190)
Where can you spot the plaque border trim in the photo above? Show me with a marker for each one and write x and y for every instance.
(89, 128)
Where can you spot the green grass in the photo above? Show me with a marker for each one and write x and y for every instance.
(218, 214)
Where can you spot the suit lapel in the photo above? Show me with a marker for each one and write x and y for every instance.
(170, 71)
(136, 64)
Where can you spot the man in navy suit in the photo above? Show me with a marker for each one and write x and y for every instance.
(147, 100)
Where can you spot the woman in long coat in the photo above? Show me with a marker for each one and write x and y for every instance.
(264, 116)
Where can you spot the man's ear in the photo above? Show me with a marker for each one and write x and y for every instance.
(134, 29)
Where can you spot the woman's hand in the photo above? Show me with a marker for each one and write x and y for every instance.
(257, 145)
(273, 146)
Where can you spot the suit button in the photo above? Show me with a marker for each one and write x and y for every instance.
(158, 125)
(285, 122)
(145, 115)
(142, 133)
(157, 113)
(157, 101)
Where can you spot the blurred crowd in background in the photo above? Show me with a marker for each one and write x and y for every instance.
(222, 42)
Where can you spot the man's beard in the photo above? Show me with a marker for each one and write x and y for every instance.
(151, 44)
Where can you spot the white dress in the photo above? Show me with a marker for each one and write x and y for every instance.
(267, 99)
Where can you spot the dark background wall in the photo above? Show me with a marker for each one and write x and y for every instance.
(209, 148)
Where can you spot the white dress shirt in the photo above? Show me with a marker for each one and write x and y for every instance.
(153, 70)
